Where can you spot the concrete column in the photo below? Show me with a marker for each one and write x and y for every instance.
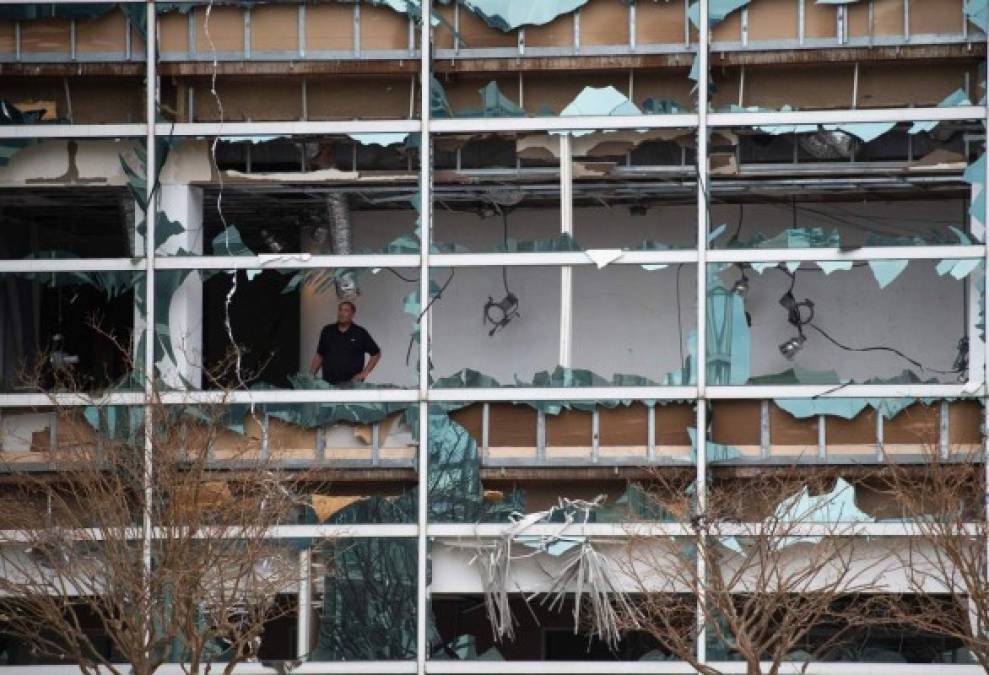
(184, 204)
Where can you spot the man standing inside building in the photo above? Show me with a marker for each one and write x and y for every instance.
(341, 349)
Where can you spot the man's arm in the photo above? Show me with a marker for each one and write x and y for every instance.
(371, 363)
(315, 365)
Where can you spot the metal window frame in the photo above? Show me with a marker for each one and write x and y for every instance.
(488, 395)
(460, 531)
(548, 667)
(702, 122)
(461, 125)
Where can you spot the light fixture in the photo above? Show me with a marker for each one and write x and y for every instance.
(503, 312)
(499, 314)
(790, 347)
(795, 317)
(59, 358)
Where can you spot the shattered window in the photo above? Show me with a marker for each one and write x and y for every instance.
(634, 190)
(936, 200)
(73, 225)
(645, 380)
(210, 335)
(290, 196)
(72, 331)
(365, 596)
(787, 333)
(938, 161)
(497, 193)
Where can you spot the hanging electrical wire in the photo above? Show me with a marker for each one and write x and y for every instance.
(436, 296)
(499, 313)
(403, 278)
(798, 319)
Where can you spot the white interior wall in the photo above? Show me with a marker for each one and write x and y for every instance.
(919, 313)
(851, 218)
(625, 317)
(877, 566)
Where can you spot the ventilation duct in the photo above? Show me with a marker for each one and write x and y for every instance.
(341, 237)
(828, 144)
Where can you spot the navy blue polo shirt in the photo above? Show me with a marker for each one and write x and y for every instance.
(343, 351)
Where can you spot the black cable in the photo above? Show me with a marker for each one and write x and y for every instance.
(703, 185)
(411, 281)
(439, 294)
(792, 275)
(879, 349)
(809, 322)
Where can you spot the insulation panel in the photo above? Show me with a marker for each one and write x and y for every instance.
(604, 22)
(275, 27)
(659, 23)
(330, 27)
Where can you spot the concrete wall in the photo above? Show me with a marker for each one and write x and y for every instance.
(625, 317)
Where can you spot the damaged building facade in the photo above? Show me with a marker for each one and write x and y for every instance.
(614, 262)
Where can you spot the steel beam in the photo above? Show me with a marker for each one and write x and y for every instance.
(283, 261)
(292, 261)
(605, 393)
(703, 221)
(495, 124)
(287, 128)
(566, 272)
(425, 302)
(75, 131)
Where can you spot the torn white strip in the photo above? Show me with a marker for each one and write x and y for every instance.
(603, 256)
(268, 258)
